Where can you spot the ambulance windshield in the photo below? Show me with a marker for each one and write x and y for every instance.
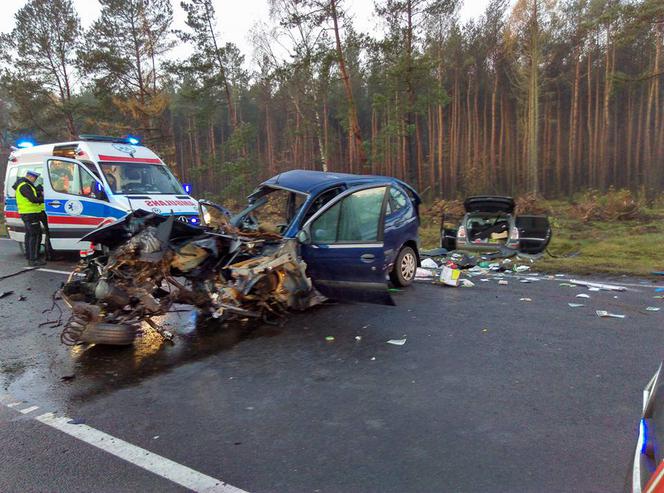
(128, 178)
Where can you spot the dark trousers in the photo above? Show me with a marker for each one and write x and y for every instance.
(33, 235)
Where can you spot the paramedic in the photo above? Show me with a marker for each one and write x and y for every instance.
(30, 207)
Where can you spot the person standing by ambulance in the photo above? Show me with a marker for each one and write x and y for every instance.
(30, 206)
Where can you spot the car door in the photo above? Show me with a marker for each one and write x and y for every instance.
(343, 246)
(534, 233)
(75, 203)
(401, 222)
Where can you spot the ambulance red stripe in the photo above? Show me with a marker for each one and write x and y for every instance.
(123, 159)
(93, 221)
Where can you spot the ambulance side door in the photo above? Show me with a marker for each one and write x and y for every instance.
(75, 203)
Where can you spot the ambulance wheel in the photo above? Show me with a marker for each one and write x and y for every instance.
(405, 265)
(110, 334)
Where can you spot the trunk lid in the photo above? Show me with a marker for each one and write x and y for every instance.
(489, 203)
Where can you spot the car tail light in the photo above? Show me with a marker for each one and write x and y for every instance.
(462, 232)
(86, 252)
(514, 233)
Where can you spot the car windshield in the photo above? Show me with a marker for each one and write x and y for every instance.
(127, 178)
(272, 212)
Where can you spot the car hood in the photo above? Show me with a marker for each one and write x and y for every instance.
(489, 203)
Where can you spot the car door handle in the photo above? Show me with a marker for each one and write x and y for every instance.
(368, 258)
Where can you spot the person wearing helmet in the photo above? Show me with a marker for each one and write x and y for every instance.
(30, 204)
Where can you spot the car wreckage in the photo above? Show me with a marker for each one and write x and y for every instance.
(304, 237)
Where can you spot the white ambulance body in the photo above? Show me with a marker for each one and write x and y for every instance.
(94, 181)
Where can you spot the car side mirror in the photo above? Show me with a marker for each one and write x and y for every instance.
(303, 237)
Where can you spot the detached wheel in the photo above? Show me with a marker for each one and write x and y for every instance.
(404, 268)
(110, 334)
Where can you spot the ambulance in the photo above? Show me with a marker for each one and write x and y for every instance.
(91, 182)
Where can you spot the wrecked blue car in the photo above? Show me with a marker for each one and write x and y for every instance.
(355, 231)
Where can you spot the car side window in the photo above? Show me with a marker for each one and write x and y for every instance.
(70, 178)
(320, 201)
(355, 219)
(398, 199)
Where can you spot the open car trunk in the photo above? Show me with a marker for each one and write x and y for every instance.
(487, 228)
(534, 233)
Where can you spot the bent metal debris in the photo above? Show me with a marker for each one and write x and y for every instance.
(150, 262)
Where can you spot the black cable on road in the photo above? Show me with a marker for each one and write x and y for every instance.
(17, 273)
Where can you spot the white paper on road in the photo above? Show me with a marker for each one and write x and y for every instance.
(605, 314)
(397, 342)
(597, 285)
(583, 295)
(575, 305)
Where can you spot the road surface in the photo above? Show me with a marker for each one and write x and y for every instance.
(489, 393)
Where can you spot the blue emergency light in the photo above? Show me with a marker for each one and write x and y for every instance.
(187, 188)
(194, 220)
(133, 140)
(25, 144)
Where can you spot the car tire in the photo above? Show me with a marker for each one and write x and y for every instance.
(109, 334)
(405, 265)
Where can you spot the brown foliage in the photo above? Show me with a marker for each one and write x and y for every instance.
(453, 210)
(532, 204)
(615, 205)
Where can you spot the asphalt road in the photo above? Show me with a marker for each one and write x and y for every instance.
(489, 393)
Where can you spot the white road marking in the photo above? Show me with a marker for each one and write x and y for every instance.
(140, 457)
(28, 409)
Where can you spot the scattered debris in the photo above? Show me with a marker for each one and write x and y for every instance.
(566, 285)
(653, 308)
(605, 314)
(155, 262)
(525, 299)
(397, 342)
(658, 273)
(521, 268)
(76, 421)
(4, 294)
(466, 283)
(575, 305)
(583, 295)
(67, 378)
(358, 338)
(503, 282)
(424, 274)
(429, 263)
(329, 338)
(605, 287)
(449, 276)
(21, 297)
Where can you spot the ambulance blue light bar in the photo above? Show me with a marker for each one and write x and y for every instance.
(130, 139)
(25, 144)
(187, 188)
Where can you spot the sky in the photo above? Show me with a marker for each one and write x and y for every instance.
(235, 18)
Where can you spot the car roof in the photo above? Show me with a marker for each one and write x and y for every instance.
(307, 181)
